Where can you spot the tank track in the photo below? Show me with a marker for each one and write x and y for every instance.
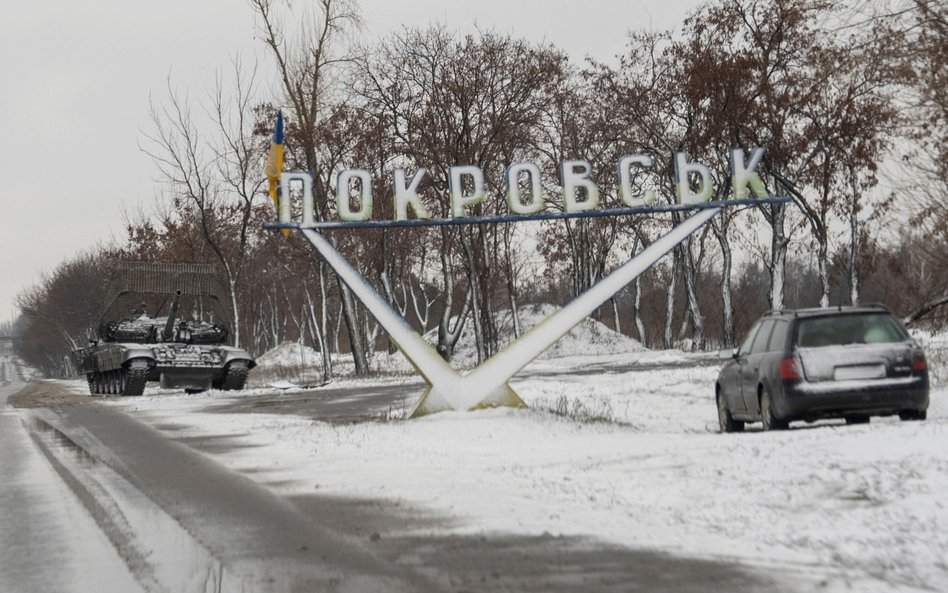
(128, 380)
(234, 376)
(136, 378)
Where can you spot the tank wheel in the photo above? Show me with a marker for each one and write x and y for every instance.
(234, 377)
(136, 375)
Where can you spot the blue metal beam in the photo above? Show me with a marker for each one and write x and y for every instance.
(424, 222)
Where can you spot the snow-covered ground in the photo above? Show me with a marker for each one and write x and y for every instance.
(620, 444)
(630, 456)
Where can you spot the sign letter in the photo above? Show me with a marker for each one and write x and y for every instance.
(625, 180)
(573, 180)
(513, 189)
(459, 200)
(744, 174)
(343, 195)
(684, 170)
(286, 184)
(405, 196)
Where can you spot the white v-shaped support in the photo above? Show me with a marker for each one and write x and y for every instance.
(487, 385)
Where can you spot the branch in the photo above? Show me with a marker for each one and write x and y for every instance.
(925, 309)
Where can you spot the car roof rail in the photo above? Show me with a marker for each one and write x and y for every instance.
(779, 312)
(877, 306)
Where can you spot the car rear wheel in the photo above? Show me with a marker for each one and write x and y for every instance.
(727, 422)
(767, 417)
(913, 415)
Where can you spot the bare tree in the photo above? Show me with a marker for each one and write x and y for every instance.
(473, 101)
(310, 61)
(62, 310)
(214, 174)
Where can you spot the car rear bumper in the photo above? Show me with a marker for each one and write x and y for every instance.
(840, 398)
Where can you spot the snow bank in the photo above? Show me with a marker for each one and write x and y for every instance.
(588, 338)
(290, 354)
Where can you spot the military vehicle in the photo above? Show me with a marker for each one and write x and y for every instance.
(139, 340)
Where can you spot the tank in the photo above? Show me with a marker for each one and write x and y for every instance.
(162, 322)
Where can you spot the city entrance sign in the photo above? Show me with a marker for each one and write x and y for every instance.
(525, 200)
(487, 385)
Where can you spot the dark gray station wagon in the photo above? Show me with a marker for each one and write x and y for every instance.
(808, 364)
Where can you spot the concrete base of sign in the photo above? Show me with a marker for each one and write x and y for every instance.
(432, 401)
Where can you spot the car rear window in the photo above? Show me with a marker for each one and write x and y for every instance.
(842, 330)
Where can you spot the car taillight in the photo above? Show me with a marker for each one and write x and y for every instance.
(789, 371)
(918, 361)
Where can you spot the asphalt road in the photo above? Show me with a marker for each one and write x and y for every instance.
(162, 514)
(48, 539)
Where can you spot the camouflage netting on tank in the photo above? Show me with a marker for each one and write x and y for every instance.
(165, 278)
(154, 284)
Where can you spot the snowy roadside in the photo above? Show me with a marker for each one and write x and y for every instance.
(855, 507)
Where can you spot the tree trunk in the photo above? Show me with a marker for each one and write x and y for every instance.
(232, 289)
(721, 232)
(390, 297)
(854, 238)
(690, 276)
(448, 335)
(511, 281)
(421, 317)
(615, 315)
(337, 331)
(356, 344)
(472, 281)
(823, 272)
(639, 324)
(670, 300)
(319, 332)
(324, 322)
(778, 256)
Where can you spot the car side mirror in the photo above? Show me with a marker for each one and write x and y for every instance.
(728, 354)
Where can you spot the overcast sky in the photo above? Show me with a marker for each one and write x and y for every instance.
(75, 81)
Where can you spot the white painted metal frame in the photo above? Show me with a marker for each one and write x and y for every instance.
(487, 385)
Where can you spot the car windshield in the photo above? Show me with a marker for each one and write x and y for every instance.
(842, 330)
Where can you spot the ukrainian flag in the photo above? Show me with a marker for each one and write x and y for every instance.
(274, 165)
